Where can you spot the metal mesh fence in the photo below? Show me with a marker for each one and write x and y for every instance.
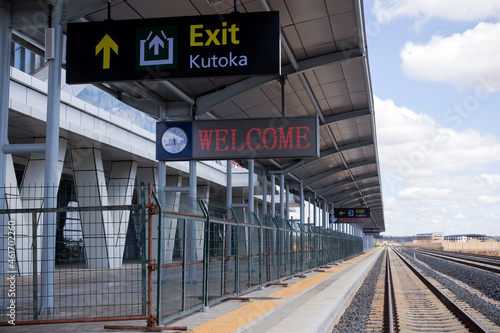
(72, 252)
(208, 252)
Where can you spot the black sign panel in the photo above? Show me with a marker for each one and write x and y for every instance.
(174, 47)
(352, 212)
(238, 139)
(351, 215)
(371, 230)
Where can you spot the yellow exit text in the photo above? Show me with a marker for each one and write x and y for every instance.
(205, 37)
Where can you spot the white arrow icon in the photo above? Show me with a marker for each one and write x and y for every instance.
(167, 55)
(156, 42)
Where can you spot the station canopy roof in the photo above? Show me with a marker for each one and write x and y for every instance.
(324, 60)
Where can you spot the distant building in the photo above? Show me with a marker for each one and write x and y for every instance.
(464, 238)
(430, 237)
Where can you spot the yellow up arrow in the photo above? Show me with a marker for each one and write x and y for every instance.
(106, 44)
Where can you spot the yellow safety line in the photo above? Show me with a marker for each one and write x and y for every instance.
(336, 269)
(238, 318)
(242, 316)
(300, 286)
(311, 281)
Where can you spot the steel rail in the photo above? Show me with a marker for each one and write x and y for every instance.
(389, 291)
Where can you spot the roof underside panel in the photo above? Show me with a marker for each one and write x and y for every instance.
(323, 58)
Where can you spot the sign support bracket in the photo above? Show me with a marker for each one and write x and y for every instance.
(282, 81)
(109, 10)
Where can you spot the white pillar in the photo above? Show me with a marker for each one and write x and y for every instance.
(171, 201)
(120, 190)
(102, 248)
(32, 197)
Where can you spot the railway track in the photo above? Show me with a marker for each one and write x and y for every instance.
(406, 301)
(488, 264)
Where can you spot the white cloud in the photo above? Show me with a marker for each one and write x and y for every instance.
(470, 187)
(435, 178)
(494, 217)
(453, 10)
(413, 144)
(390, 203)
(463, 60)
(428, 194)
(488, 199)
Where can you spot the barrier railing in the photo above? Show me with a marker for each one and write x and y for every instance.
(208, 253)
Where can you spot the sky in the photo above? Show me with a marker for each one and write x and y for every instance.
(435, 72)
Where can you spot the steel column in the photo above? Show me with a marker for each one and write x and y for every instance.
(302, 203)
(5, 47)
(314, 211)
(51, 160)
(273, 195)
(251, 195)
(287, 201)
(162, 167)
(282, 216)
(229, 184)
(282, 196)
(191, 277)
(264, 193)
(229, 203)
(162, 183)
(308, 206)
(251, 189)
(325, 222)
(274, 233)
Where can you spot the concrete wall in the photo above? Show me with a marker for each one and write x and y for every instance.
(458, 246)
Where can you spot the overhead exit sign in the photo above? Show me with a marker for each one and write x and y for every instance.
(349, 215)
(174, 47)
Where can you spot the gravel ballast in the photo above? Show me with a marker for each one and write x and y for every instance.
(356, 315)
